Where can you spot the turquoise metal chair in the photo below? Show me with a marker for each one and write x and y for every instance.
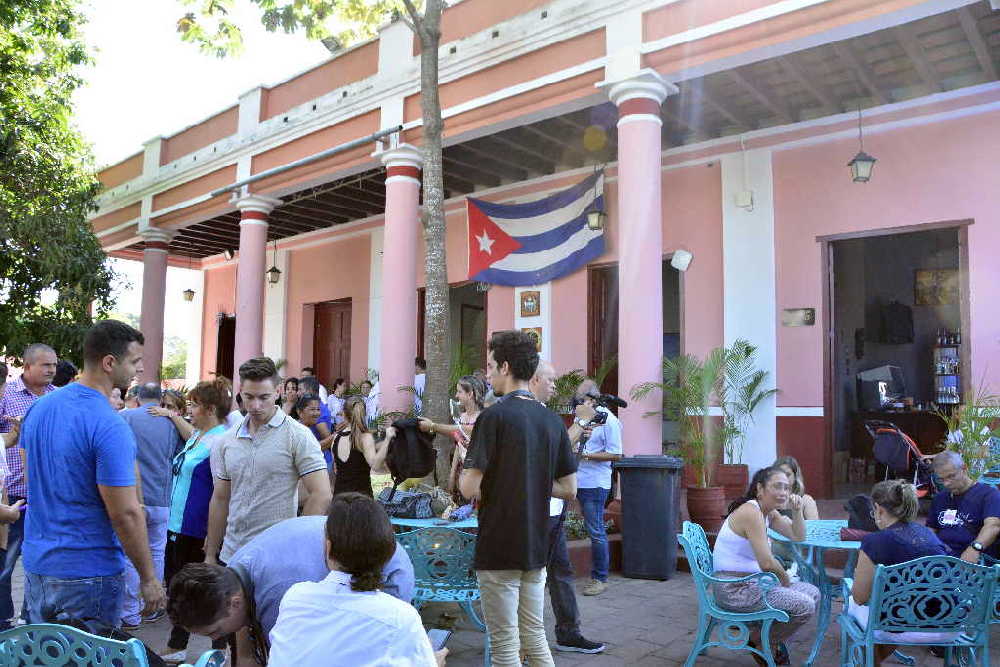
(937, 594)
(733, 628)
(443, 572)
(50, 644)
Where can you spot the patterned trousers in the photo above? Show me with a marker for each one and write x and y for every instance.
(799, 600)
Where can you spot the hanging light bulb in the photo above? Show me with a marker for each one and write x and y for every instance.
(863, 163)
(274, 273)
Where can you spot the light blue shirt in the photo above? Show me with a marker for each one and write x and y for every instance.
(326, 624)
(604, 438)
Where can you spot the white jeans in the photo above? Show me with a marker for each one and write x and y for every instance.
(156, 529)
(513, 604)
(859, 612)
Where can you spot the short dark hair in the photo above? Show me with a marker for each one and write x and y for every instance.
(308, 369)
(518, 349)
(148, 392)
(109, 337)
(200, 593)
(309, 384)
(338, 382)
(361, 538)
(303, 403)
(420, 363)
(216, 394)
(258, 369)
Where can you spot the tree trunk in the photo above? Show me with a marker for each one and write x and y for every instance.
(437, 324)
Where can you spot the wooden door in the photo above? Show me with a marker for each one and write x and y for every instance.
(602, 322)
(225, 344)
(332, 341)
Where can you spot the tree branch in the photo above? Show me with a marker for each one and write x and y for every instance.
(416, 20)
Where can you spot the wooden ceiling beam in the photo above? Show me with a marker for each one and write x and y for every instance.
(368, 198)
(221, 237)
(510, 150)
(861, 71)
(729, 115)
(794, 70)
(510, 143)
(756, 90)
(458, 186)
(911, 44)
(516, 171)
(978, 43)
(326, 208)
(561, 142)
(474, 171)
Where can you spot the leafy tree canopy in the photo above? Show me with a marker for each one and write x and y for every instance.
(52, 268)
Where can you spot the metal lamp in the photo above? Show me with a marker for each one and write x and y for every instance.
(863, 163)
(274, 273)
(188, 294)
(596, 217)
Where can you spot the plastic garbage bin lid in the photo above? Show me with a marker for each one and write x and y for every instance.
(651, 461)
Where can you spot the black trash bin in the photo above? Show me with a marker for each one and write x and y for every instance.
(650, 488)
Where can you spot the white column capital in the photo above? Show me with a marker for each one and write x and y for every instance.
(256, 203)
(644, 84)
(403, 155)
(157, 235)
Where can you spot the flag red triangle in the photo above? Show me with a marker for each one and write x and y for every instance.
(487, 242)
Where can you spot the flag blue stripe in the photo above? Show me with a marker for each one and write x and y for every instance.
(572, 262)
(553, 237)
(540, 206)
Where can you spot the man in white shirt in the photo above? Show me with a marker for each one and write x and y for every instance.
(419, 382)
(562, 593)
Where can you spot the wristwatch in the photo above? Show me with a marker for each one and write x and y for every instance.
(977, 546)
(582, 423)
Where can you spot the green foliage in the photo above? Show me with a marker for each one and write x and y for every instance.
(174, 358)
(561, 400)
(463, 362)
(602, 372)
(970, 428)
(52, 267)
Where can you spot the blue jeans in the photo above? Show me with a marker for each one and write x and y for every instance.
(592, 504)
(15, 538)
(156, 532)
(98, 598)
(559, 577)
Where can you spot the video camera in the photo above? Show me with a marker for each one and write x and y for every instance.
(605, 401)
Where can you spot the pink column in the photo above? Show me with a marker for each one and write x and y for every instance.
(250, 277)
(154, 282)
(640, 254)
(398, 341)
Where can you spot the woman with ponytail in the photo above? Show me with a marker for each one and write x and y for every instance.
(356, 454)
(899, 539)
(743, 547)
(345, 619)
(208, 404)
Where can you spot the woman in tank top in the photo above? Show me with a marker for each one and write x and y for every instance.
(356, 454)
(742, 547)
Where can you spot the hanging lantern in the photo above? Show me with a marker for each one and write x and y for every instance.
(274, 273)
(188, 294)
(596, 217)
(863, 163)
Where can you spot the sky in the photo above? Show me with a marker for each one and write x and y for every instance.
(146, 82)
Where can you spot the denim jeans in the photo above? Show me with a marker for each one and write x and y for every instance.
(98, 598)
(513, 604)
(561, 585)
(156, 531)
(592, 504)
(15, 538)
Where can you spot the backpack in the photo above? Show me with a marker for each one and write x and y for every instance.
(411, 453)
(859, 513)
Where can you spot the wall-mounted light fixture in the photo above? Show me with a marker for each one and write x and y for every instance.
(596, 217)
(863, 163)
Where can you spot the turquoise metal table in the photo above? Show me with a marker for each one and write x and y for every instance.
(471, 522)
(810, 556)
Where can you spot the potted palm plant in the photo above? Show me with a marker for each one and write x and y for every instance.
(972, 430)
(688, 387)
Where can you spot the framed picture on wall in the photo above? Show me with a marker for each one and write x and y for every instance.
(536, 333)
(935, 287)
(531, 303)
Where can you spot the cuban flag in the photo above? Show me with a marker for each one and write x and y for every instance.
(535, 242)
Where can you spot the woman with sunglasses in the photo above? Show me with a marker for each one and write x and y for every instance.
(208, 404)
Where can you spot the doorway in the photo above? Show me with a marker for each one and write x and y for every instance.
(332, 340)
(468, 324)
(897, 316)
(225, 346)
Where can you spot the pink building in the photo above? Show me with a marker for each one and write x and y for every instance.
(725, 128)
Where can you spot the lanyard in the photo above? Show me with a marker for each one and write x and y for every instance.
(522, 393)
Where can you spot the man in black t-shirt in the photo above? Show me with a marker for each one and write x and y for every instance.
(519, 456)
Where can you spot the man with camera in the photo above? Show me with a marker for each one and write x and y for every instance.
(597, 440)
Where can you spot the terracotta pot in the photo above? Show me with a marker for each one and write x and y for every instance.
(707, 506)
(734, 478)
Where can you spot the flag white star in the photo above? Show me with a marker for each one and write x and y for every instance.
(485, 243)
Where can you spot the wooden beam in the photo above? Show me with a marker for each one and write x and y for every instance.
(514, 151)
(908, 40)
(728, 114)
(476, 172)
(213, 234)
(977, 42)
(794, 70)
(517, 170)
(861, 70)
(324, 207)
(560, 142)
(544, 158)
(756, 90)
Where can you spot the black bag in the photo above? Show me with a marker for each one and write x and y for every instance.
(411, 453)
(406, 504)
(860, 513)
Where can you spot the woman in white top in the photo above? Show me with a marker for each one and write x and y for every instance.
(344, 619)
(742, 547)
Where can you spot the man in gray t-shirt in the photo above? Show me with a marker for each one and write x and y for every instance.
(285, 554)
(157, 441)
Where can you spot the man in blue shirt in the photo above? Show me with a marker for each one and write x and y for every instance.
(593, 476)
(157, 441)
(243, 596)
(966, 516)
(85, 515)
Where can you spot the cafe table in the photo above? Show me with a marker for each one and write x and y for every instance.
(822, 535)
(436, 522)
